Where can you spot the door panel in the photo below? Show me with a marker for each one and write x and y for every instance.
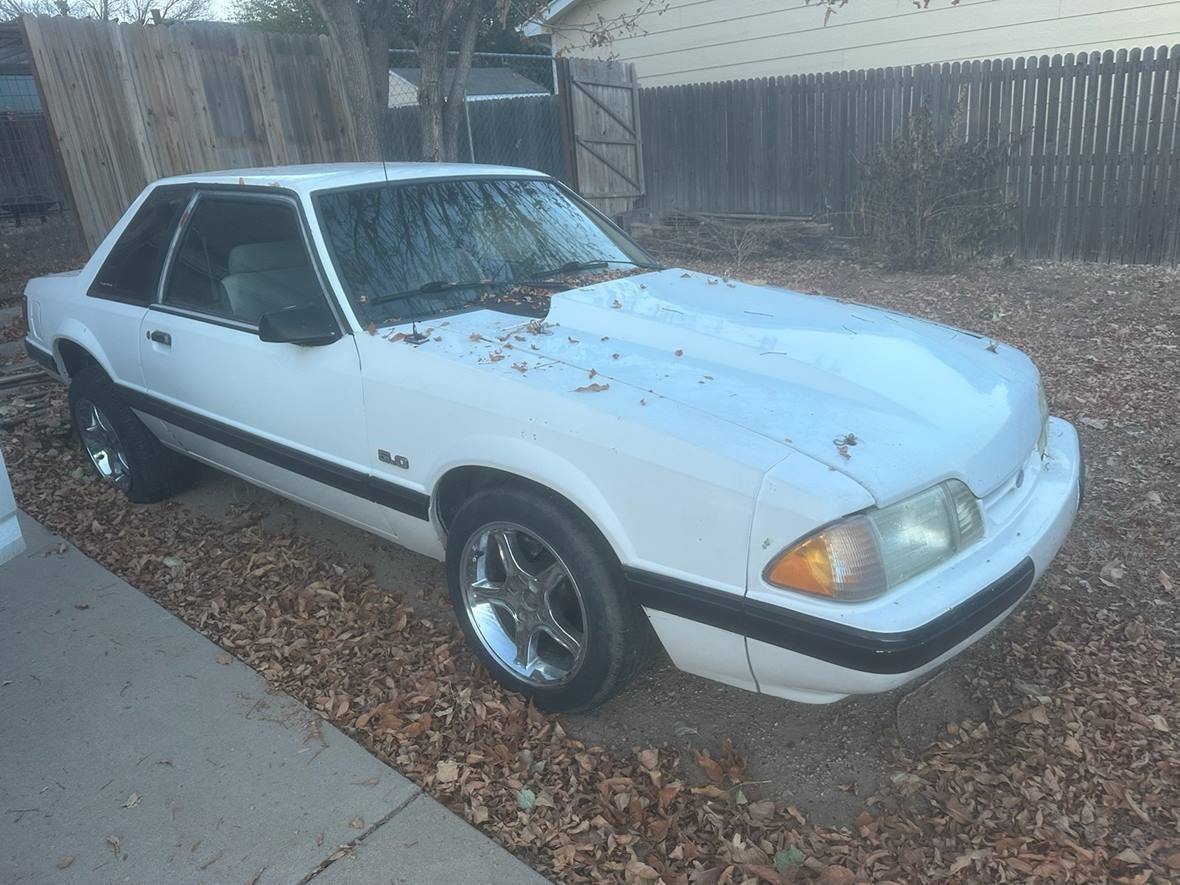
(289, 417)
(278, 414)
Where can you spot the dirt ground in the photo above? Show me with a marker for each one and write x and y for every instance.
(1048, 750)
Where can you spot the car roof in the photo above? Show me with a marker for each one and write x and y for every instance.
(322, 176)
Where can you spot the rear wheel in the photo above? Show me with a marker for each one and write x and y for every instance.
(121, 449)
(542, 600)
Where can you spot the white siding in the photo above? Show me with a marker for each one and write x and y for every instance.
(708, 40)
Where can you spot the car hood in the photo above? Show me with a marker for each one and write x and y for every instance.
(894, 402)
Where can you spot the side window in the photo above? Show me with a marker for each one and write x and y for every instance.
(132, 270)
(240, 258)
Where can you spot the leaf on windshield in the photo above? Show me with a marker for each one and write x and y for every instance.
(592, 388)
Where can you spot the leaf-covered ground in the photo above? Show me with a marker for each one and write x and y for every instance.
(1072, 775)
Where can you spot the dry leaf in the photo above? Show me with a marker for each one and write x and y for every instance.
(592, 388)
(447, 771)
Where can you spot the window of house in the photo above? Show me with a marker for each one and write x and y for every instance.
(131, 271)
(240, 258)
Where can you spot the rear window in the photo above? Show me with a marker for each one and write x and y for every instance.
(132, 271)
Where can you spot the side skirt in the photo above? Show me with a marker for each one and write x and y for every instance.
(354, 482)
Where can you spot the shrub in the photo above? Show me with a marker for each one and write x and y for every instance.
(928, 202)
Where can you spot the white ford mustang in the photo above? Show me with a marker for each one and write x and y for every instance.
(801, 497)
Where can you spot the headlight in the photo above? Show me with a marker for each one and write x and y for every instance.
(864, 555)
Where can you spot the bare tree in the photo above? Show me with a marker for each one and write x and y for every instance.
(364, 54)
(439, 119)
(143, 12)
(600, 31)
(140, 12)
(10, 9)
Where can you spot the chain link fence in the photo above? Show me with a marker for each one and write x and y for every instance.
(29, 183)
(510, 116)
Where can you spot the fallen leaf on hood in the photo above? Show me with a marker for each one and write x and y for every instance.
(65, 862)
(679, 352)
(224, 659)
(116, 845)
(592, 388)
(357, 823)
(397, 336)
(616, 304)
(132, 800)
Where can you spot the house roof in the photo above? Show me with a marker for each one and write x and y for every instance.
(535, 26)
(482, 81)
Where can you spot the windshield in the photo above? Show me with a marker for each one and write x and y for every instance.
(417, 250)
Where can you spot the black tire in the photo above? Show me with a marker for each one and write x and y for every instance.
(618, 639)
(156, 472)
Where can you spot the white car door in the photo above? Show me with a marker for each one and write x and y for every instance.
(287, 416)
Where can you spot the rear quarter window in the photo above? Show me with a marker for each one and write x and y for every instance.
(131, 271)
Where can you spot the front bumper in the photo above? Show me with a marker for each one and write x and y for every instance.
(809, 658)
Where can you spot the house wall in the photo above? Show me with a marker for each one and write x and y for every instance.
(698, 41)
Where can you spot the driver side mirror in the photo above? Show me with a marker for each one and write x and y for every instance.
(308, 325)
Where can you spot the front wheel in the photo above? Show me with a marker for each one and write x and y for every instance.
(542, 600)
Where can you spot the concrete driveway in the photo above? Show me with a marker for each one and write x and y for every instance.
(132, 749)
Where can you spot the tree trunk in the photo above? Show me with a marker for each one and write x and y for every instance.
(366, 77)
(434, 19)
(457, 97)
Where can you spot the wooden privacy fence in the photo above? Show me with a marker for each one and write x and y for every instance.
(1094, 172)
(129, 104)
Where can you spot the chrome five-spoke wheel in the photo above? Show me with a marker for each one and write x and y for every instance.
(102, 445)
(523, 603)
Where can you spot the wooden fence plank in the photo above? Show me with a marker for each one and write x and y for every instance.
(1094, 165)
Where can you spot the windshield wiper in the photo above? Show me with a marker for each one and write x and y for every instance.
(433, 287)
(596, 264)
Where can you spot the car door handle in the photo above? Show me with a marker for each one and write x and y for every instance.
(160, 337)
